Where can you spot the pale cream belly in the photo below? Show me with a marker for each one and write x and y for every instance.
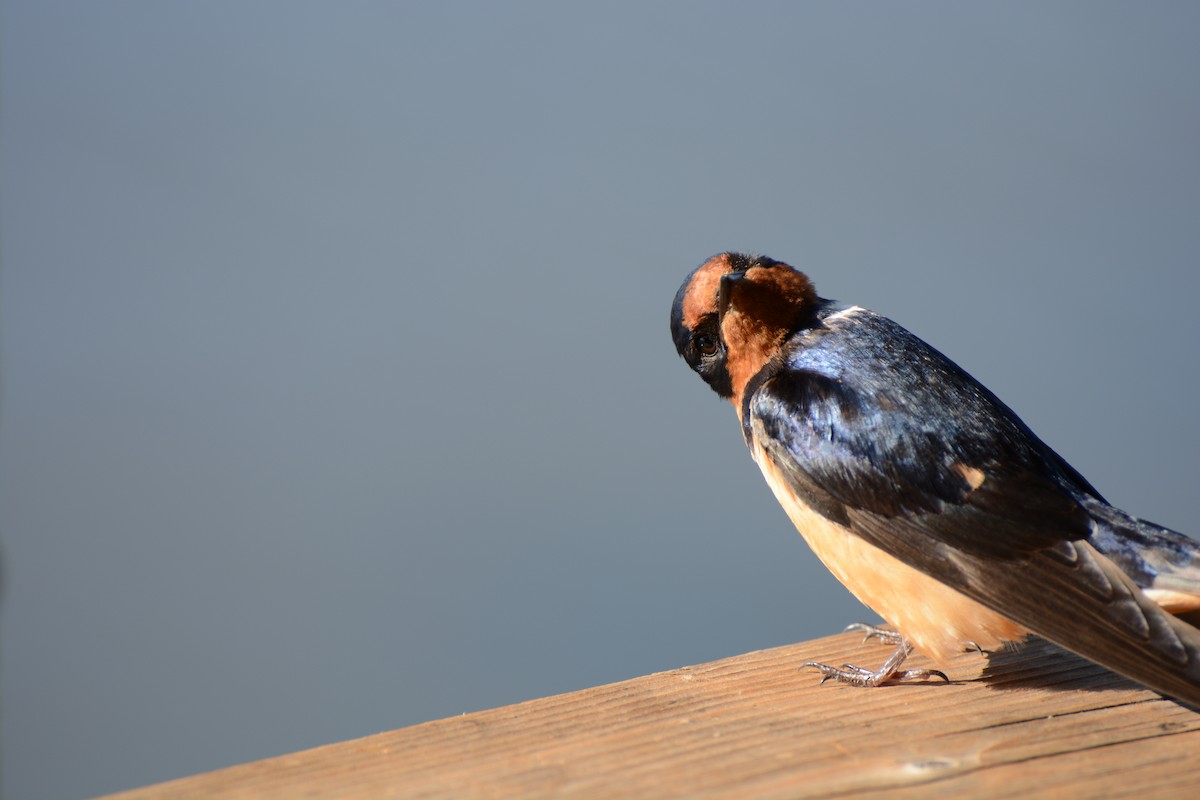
(938, 620)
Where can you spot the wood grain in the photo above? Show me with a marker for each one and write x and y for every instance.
(1035, 722)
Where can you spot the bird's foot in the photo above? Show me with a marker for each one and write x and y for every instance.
(890, 672)
(858, 676)
(873, 632)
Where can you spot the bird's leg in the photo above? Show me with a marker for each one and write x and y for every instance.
(889, 672)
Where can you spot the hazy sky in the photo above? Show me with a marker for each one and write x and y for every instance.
(336, 390)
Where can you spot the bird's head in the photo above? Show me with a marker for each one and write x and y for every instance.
(733, 313)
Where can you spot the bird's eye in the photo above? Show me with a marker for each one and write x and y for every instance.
(705, 344)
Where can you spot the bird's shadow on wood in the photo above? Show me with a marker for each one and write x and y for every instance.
(1038, 664)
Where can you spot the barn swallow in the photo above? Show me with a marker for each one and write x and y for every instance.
(925, 495)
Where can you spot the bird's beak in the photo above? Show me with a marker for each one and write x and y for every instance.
(725, 290)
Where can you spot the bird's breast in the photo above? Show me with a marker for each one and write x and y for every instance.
(938, 620)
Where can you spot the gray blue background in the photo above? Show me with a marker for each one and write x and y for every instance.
(336, 392)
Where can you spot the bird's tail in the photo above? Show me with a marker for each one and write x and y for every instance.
(1165, 564)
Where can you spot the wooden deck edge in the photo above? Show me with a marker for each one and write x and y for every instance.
(1033, 720)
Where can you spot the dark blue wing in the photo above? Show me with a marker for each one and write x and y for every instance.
(875, 420)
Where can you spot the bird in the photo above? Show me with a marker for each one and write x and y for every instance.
(925, 495)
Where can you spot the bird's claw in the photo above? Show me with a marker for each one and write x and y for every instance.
(874, 632)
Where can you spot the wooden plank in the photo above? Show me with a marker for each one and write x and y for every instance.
(1029, 722)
